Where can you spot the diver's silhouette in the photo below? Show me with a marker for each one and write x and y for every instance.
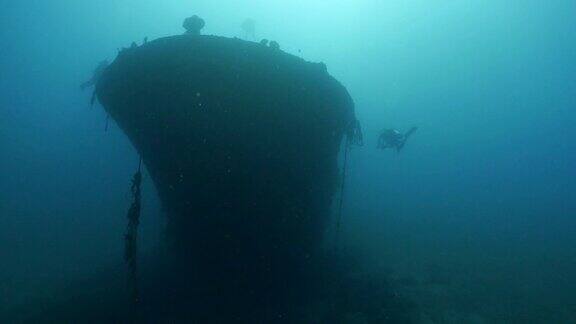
(392, 138)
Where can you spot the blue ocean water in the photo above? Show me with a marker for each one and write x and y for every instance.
(473, 221)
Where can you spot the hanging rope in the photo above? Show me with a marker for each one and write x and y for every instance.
(93, 99)
(107, 122)
(353, 137)
(131, 235)
(341, 203)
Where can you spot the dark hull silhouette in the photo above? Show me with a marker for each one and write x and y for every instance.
(241, 141)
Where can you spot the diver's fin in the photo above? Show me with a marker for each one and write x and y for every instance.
(410, 132)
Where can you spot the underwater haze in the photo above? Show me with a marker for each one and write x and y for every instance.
(472, 222)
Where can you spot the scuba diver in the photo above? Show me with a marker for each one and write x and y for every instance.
(392, 138)
(98, 71)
